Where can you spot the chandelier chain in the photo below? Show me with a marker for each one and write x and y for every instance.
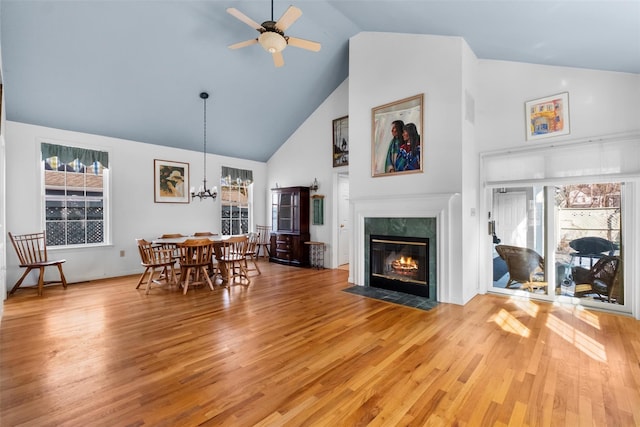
(204, 150)
(204, 191)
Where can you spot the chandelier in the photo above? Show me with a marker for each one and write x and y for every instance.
(203, 191)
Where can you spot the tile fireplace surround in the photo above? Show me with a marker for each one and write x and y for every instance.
(423, 216)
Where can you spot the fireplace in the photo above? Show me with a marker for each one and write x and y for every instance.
(399, 264)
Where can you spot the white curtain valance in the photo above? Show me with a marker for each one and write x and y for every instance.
(614, 157)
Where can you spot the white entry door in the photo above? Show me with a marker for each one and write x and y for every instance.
(510, 214)
(344, 230)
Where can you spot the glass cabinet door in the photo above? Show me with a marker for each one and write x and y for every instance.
(285, 212)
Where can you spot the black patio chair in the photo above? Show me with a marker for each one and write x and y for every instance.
(591, 247)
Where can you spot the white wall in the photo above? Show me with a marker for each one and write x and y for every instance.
(308, 154)
(387, 67)
(133, 211)
(3, 233)
(472, 221)
(600, 102)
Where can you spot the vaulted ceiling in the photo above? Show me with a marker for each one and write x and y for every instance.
(134, 69)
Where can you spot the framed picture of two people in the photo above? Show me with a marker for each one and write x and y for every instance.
(396, 130)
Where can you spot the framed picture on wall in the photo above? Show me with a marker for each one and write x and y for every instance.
(171, 181)
(396, 143)
(341, 141)
(547, 116)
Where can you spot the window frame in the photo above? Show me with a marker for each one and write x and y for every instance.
(249, 206)
(106, 196)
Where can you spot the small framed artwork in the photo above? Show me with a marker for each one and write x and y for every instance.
(547, 116)
(171, 181)
(341, 141)
(318, 209)
(396, 145)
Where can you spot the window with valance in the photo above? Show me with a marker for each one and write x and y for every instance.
(236, 200)
(75, 196)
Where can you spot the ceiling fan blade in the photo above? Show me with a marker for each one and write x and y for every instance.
(304, 44)
(290, 16)
(243, 44)
(244, 18)
(278, 59)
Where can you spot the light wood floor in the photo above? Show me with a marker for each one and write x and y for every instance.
(292, 349)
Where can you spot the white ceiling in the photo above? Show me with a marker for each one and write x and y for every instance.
(134, 69)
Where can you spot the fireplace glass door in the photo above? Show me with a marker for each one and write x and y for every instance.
(400, 264)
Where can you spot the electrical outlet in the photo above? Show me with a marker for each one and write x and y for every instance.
(121, 253)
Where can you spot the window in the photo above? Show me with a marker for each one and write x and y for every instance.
(236, 201)
(74, 195)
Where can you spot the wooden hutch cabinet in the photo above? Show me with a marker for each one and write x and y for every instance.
(290, 226)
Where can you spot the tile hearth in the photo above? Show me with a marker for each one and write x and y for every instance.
(394, 297)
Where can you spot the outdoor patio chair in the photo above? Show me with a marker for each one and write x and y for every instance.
(600, 280)
(525, 266)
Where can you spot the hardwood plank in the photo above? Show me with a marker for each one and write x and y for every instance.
(293, 349)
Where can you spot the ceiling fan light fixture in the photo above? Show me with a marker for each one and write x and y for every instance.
(272, 42)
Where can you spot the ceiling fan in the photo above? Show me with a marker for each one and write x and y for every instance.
(272, 37)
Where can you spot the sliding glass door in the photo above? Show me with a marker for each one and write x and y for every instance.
(519, 239)
(560, 242)
(589, 241)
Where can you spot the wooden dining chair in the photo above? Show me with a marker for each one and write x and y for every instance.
(153, 257)
(251, 252)
(232, 259)
(32, 254)
(175, 253)
(195, 259)
(264, 232)
(212, 266)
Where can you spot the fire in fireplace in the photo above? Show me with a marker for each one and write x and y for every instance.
(399, 264)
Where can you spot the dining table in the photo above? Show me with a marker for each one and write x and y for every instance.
(217, 241)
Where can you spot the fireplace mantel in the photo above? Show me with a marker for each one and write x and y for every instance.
(439, 206)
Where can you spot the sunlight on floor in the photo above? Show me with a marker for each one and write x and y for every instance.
(526, 305)
(580, 340)
(508, 323)
(579, 312)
